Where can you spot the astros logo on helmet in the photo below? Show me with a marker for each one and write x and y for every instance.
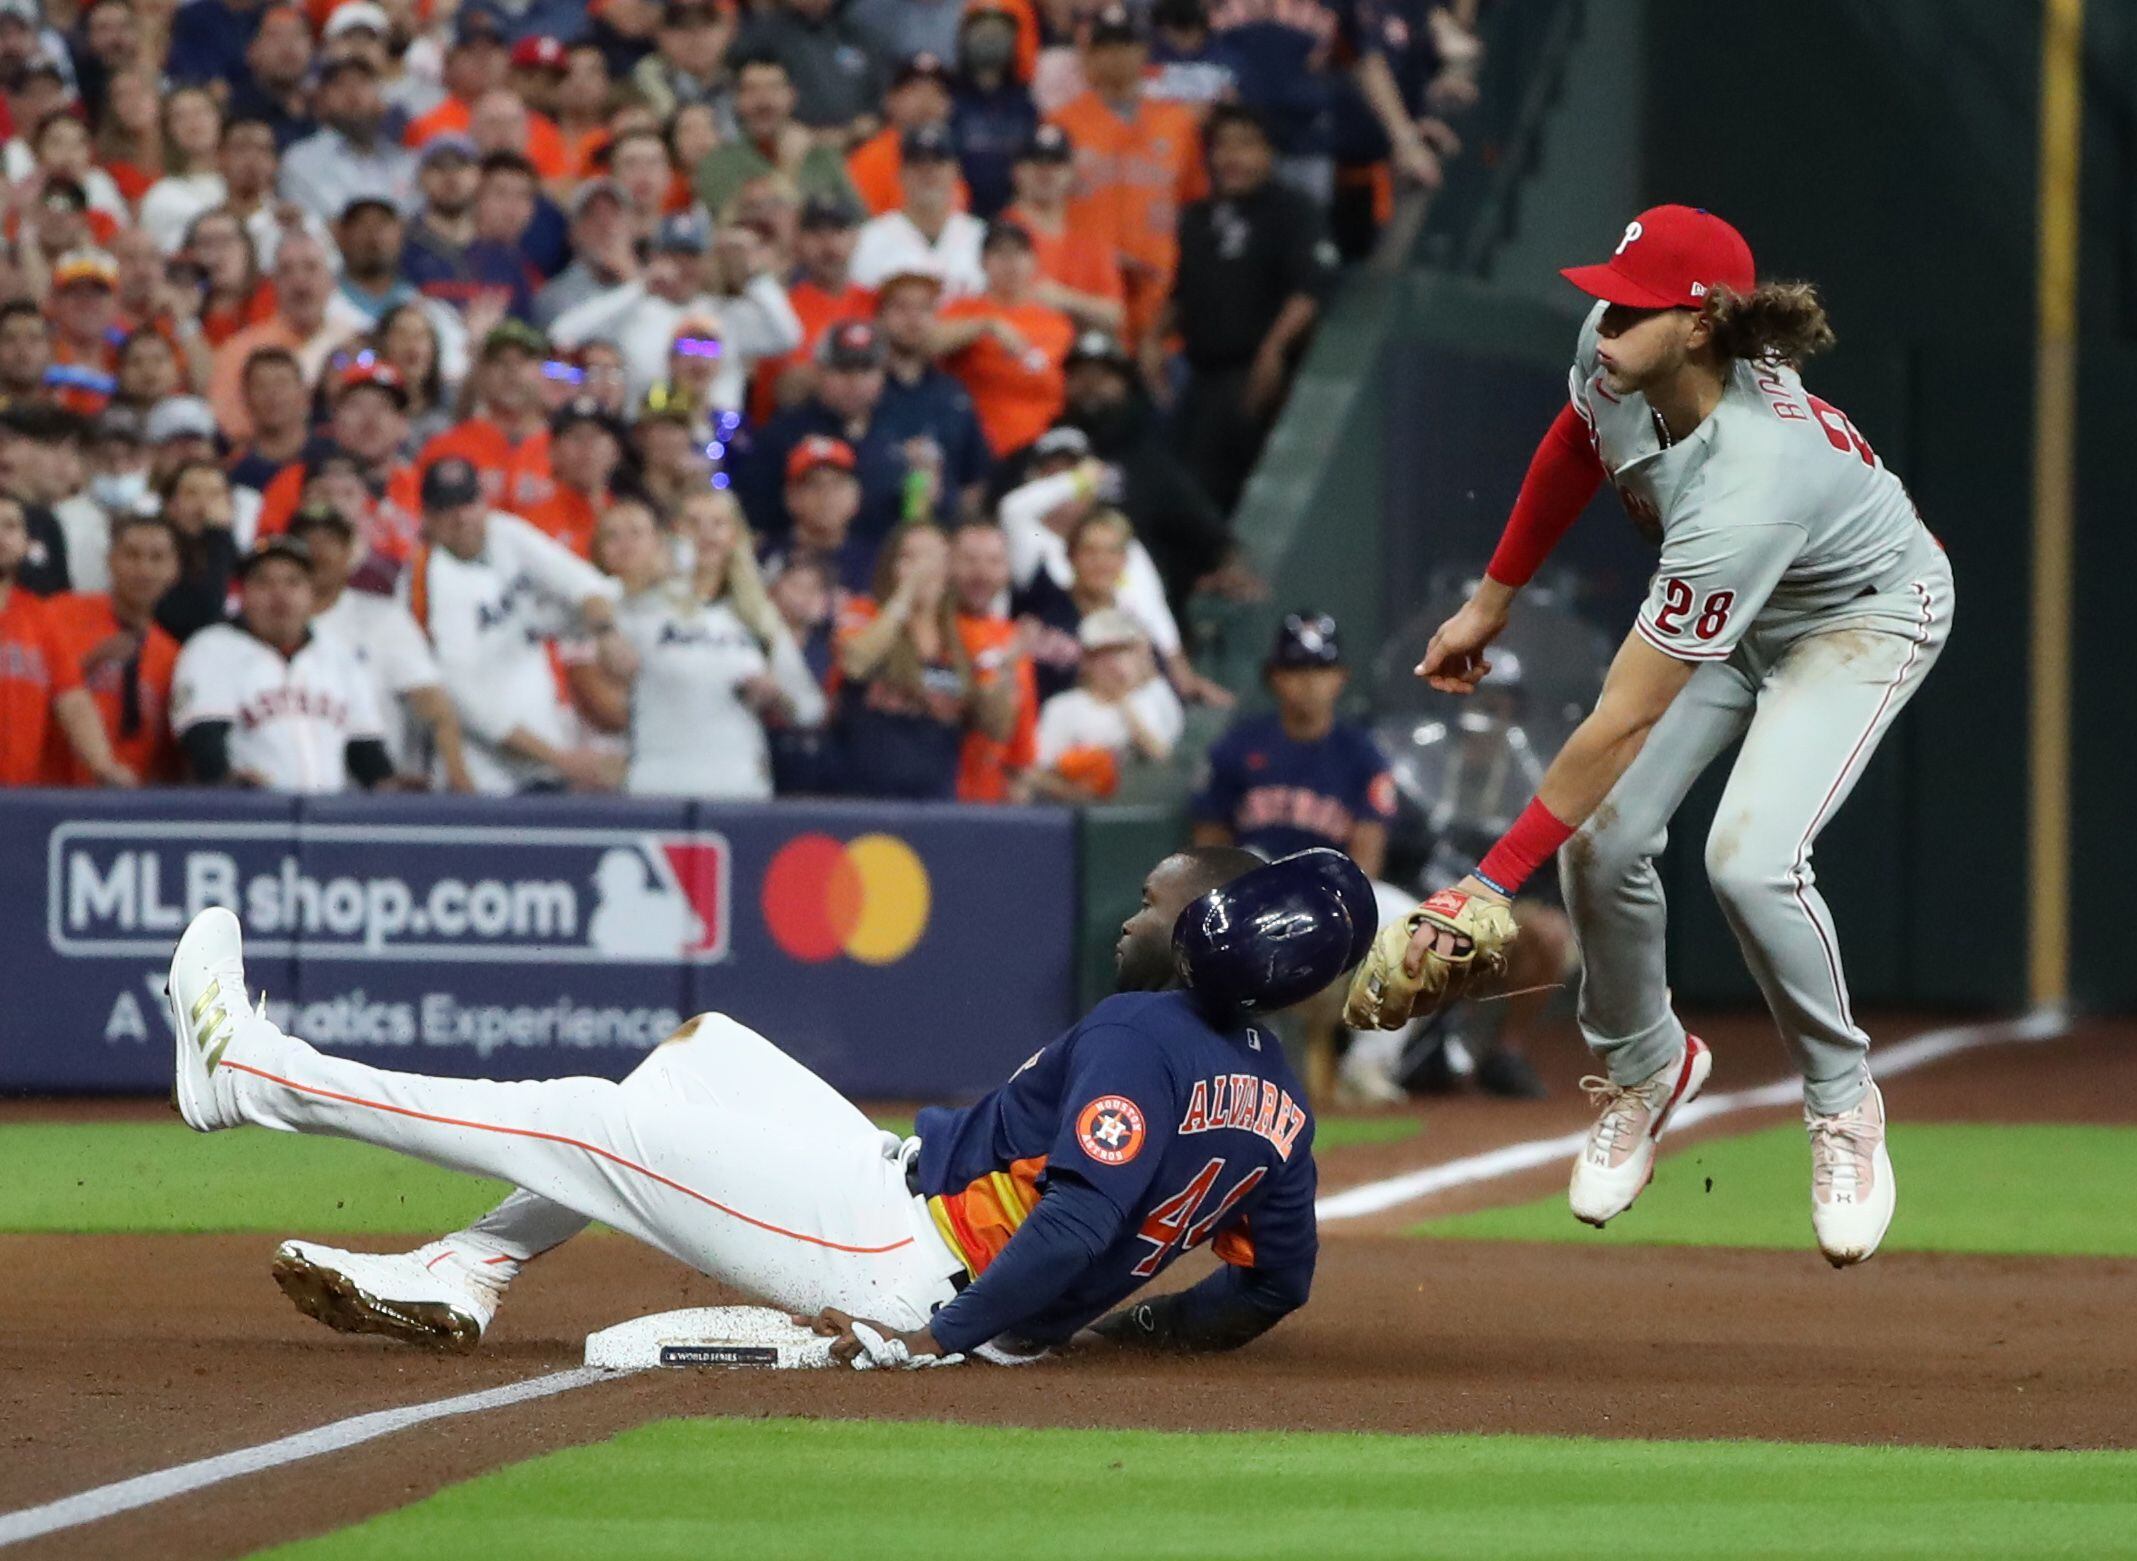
(867, 898)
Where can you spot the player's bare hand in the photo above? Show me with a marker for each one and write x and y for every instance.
(1454, 662)
(867, 1345)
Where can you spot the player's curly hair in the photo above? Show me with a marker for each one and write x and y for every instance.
(1776, 322)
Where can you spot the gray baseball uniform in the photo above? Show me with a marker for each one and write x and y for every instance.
(1796, 573)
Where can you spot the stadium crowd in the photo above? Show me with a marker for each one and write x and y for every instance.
(681, 397)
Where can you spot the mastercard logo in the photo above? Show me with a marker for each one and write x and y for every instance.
(865, 898)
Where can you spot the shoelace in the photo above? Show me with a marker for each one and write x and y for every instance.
(1618, 1101)
(1840, 1156)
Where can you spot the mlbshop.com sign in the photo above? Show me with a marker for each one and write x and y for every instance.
(883, 945)
(381, 892)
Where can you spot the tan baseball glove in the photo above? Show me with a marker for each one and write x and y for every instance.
(1384, 996)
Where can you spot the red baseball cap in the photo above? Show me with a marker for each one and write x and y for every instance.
(366, 370)
(1669, 258)
(818, 450)
(538, 54)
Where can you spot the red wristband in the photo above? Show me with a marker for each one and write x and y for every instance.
(1534, 839)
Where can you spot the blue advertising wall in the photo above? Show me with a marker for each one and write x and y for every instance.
(898, 951)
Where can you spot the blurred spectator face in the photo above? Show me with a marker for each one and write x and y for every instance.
(143, 562)
(602, 375)
(988, 44)
(1096, 387)
(905, 314)
(30, 98)
(274, 394)
(627, 544)
(979, 568)
(823, 502)
(825, 252)
(1011, 268)
(140, 270)
(113, 35)
(219, 247)
(195, 124)
(1115, 70)
(600, 223)
(132, 102)
(640, 165)
(921, 101)
(458, 528)
(303, 282)
(83, 312)
(14, 538)
(692, 38)
(248, 159)
(1239, 159)
(694, 131)
(117, 457)
(583, 93)
(333, 559)
(410, 344)
(498, 122)
(200, 499)
(802, 594)
(281, 51)
(63, 147)
(340, 488)
(665, 447)
(368, 423)
(924, 559)
(62, 221)
(1042, 184)
(476, 66)
(714, 526)
(505, 205)
(276, 600)
(694, 361)
(764, 101)
(1111, 673)
(350, 101)
(449, 182)
(537, 88)
(167, 457)
(25, 352)
(930, 183)
(18, 41)
(1307, 696)
(512, 380)
(370, 239)
(766, 211)
(584, 457)
(850, 394)
(1098, 557)
(148, 369)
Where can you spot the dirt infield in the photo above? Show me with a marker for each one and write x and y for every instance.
(120, 1355)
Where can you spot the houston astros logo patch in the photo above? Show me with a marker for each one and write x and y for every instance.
(1110, 1129)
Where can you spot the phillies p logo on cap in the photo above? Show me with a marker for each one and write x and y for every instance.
(1670, 257)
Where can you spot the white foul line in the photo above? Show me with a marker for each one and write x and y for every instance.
(1375, 1197)
(146, 1489)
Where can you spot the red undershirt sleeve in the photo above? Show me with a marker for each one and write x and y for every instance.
(1562, 477)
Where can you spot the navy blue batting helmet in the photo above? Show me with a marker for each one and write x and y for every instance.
(1274, 936)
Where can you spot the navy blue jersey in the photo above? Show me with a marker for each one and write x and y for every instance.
(1140, 1134)
(1277, 795)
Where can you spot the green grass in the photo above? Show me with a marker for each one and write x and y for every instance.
(802, 1488)
(1962, 1188)
(96, 1177)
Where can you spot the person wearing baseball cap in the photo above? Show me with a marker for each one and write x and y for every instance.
(82, 374)
(586, 446)
(928, 228)
(992, 110)
(919, 98)
(1007, 345)
(1120, 713)
(823, 494)
(1079, 270)
(507, 437)
(821, 292)
(350, 154)
(1780, 532)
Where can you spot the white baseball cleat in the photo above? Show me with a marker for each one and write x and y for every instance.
(1618, 1160)
(1852, 1192)
(437, 1295)
(207, 995)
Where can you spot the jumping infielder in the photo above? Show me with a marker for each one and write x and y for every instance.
(1798, 604)
(1164, 1120)
(266, 701)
